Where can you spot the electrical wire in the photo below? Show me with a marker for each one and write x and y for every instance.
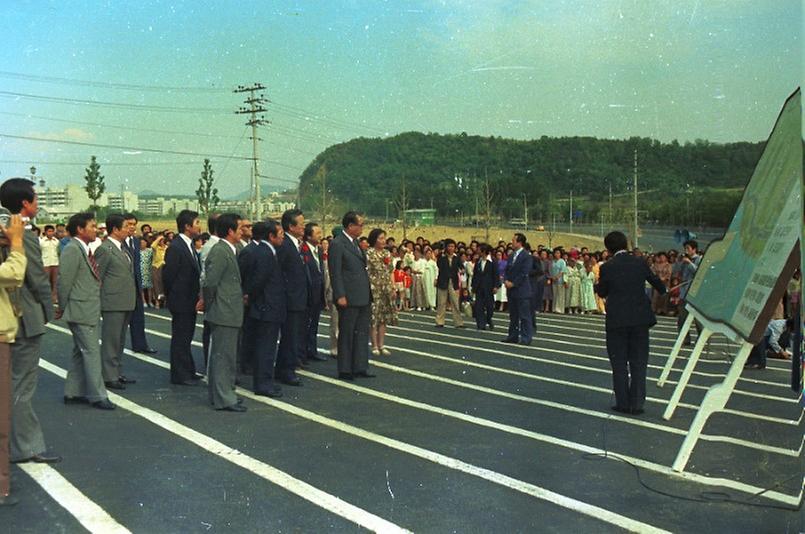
(116, 105)
(109, 85)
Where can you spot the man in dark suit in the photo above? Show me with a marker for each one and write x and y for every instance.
(27, 442)
(297, 285)
(180, 277)
(223, 306)
(518, 292)
(352, 295)
(629, 317)
(447, 285)
(118, 294)
(264, 286)
(137, 323)
(537, 279)
(80, 306)
(311, 255)
(485, 284)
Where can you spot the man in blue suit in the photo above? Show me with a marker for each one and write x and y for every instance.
(485, 283)
(311, 255)
(297, 287)
(518, 290)
(137, 323)
(264, 286)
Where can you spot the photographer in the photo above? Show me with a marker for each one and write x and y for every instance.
(12, 274)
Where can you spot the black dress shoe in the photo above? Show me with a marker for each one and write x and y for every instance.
(491, 326)
(507, 340)
(125, 380)
(114, 385)
(291, 382)
(318, 358)
(365, 375)
(8, 500)
(43, 458)
(234, 408)
(273, 393)
(190, 382)
(461, 326)
(146, 350)
(75, 400)
(345, 376)
(103, 405)
(439, 326)
(621, 410)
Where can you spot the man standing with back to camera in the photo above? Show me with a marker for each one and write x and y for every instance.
(629, 317)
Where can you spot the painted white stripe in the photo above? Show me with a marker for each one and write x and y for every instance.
(332, 503)
(91, 516)
(271, 474)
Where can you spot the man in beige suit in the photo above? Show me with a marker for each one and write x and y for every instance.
(80, 306)
(223, 306)
(118, 294)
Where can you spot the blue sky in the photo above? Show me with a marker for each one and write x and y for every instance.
(717, 70)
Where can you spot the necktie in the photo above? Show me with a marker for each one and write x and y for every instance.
(93, 264)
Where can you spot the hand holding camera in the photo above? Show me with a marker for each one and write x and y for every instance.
(12, 229)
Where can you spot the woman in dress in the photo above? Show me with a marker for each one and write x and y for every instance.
(384, 313)
(573, 281)
(429, 279)
(547, 292)
(501, 296)
(146, 259)
(158, 293)
(588, 278)
(558, 269)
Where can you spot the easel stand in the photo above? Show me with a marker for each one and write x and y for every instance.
(718, 394)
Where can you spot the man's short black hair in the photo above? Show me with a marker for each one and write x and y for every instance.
(114, 221)
(225, 223)
(130, 217)
(49, 227)
(448, 241)
(14, 191)
(692, 244)
(520, 238)
(79, 220)
(309, 227)
(350, 217)
(289, 218)
(615, 241)
(260, 231)
(211, 220)
(143, 227)
(273, 227)
(185, 218)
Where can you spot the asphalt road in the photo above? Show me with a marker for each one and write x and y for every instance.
(457, 433)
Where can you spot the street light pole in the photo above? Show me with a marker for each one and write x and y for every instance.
(525, 211)
(571, 211)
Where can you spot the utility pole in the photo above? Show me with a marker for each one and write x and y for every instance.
(635, 239)
(610, 203)
(256, 102)
(571, 211)
(525, 211)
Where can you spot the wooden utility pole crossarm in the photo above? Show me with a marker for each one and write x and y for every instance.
(255, 103)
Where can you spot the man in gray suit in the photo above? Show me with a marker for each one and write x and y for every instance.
(352, 295)
(80, 306)
(223, 305)
(118, 294)
(27, 441)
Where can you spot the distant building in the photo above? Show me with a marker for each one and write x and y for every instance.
(59, 203)
(420, 217)
(166, 207)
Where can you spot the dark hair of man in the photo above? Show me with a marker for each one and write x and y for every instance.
(290, 217)
(615, 241)
(185, 218)
(143, 227)
(689, 243)
(211, 220)
(273, 227)
(350, 217)
(520, 238)
(309, 227)
(60, 224)
(448, 242)
(374, 235)
(130, 217)
(225, 223)
(79, 220)
(114, 221)
(362, 239)
(14, 191)
(49, 227)
(260, 231)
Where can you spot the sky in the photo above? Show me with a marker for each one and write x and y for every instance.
(160, 75)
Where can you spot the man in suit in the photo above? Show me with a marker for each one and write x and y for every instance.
(447, 285)
(352, 295)
(485, 284)
(180, 277)
(80, 307)
(518, 292)
(205, 251)
(137, 324)
(223, 306)
(118, 294)
(629, 317)
(311, 255)
(27, 440)
(297, 285)
(264, 286)
(537, 278)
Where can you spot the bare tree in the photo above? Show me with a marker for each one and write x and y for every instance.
(489, 196)
(402, 206)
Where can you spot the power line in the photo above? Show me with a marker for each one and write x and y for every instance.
(108, 163)
(116, 105)
(108, 85)
(315, 117)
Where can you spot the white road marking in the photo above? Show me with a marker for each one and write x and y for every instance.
(91, 516)
(332, 503)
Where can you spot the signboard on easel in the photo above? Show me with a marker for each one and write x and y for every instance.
(743, 276)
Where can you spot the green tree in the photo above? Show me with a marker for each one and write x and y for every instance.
(207, 193)
(95, 182)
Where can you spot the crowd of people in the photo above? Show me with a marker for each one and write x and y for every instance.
(262, 287)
